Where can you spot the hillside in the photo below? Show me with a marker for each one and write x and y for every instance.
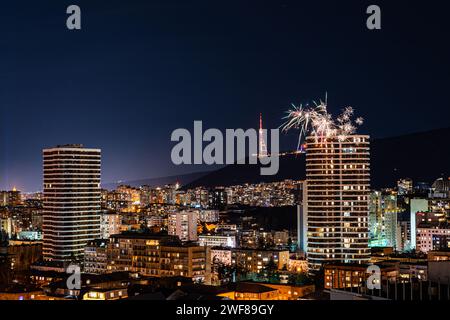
(422, 156)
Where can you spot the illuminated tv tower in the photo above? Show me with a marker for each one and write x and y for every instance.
(262, 141)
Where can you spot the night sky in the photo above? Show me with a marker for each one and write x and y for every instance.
(140, 69)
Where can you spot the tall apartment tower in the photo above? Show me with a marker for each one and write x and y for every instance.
(184, 225)
(71, 213)
(338, 187)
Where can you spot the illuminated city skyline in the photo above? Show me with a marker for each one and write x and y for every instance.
(234, 154)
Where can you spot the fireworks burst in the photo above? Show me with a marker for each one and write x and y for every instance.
(318, 122)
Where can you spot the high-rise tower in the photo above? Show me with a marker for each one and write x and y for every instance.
(71, 201)
(338, 186)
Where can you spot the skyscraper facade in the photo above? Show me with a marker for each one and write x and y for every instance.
(71, 214)
(338, 187)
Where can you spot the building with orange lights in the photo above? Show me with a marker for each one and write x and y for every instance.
(338, 185)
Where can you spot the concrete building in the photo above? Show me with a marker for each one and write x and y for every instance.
(155, 220)
(433, 238)
(110, 224)
(392, 230)
(96, 257)
(338, 184)
(72, 199)
(383, 219)
(188, 260)
(184, 225)
(221, 256)
(208, 216)
(10, 198)
(405, 186)
(217, 240)
(417, 205)
(443, 255)
(23, 254)
(266, 291)
(7, 226)
(158, 256)
(340, 275)
(100, 294)
(281, 238)
(254, 260)
(217, 199)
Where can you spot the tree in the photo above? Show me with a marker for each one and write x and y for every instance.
(299, 279)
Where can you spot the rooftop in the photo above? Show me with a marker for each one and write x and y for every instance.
(356, 265)
(143, 235)
(250, 287)
(74, 145)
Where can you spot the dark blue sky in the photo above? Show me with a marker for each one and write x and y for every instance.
(140, 69)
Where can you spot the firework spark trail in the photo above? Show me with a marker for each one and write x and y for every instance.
(318, 122)
(305, 119)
